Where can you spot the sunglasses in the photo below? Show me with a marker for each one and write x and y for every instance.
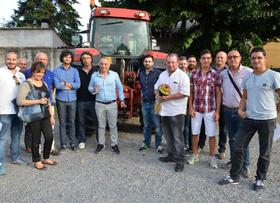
(16, 80)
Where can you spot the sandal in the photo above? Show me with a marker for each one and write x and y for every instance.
(40, 168)
(49, 162)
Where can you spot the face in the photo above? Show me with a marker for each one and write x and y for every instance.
(205, 60)
(39, 75)
(258, 61)
(172, 63)
(234, 59)
(22, 63)
(67, 60)
(104, 65)
(42, 58)
(148, 63)
(87, 60)
(183, 65)
(192, 60)
(221, 59)
(11, 60)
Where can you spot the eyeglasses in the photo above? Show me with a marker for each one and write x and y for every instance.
(233, 57)
(16, 80)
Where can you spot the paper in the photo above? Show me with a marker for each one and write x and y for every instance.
(276, 132)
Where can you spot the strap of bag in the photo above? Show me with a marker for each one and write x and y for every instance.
(30, 85)
(234, 84)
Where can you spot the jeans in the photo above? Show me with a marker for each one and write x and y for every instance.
(66, 115)
(107, 112)
(186, 131)
(85, 108)
(222, 132)
(11, 126)
(247, 129)
(172, 127)
(232, 121)
(151, 120)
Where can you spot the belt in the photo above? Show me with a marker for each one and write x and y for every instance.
(231, 108)
(109, 102)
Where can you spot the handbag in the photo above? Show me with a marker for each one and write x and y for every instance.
(33, 112)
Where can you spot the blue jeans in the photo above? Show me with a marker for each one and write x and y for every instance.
(11, 126)
(85, 108)
(232, 121)
(151, 120)
(66, 115)
(186, 132)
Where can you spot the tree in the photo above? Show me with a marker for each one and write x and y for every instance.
(59, 14)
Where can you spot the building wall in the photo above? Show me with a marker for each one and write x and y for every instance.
(273, 54)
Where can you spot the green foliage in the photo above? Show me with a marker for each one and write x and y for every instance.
(60, 16)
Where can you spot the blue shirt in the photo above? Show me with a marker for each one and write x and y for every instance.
(61, 76)
(147, 83)
(48, 79)
(107, 87)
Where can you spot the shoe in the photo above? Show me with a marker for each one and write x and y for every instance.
(222, 156)
(160, 149)
(144, 147)
(199, 150)
(74, 148)
(166, 159)
(82, 145)
(42, 167)
(100, 147)
(179, 167)
(49, 162)
(19, 162)
(228, 180)
(212, 162)
(245, 172)
(55, 152)
(193, 159)
(258, 185)
(28, 149)
(115, 149)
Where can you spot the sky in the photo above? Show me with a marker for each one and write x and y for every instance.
(7, 6)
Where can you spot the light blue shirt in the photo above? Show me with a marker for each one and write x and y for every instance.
(261, 100)
(106, 87)
(62, 75)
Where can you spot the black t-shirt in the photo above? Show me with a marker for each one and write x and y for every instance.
(44, 94)
(82, 93)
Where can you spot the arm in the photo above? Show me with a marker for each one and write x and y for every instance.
(120, 91)
(218, 103)
(57, 81)
(278, 104)
(77, 82)
(190, 103)
(242, 105)
(92, 87)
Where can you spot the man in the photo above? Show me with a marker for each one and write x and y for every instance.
(104, 84)
(22, 64)
(231, 99)
(173, 108)
(49, 80)
(67, 81)
(10, 125)
(220, 65)
(85, 100)
(192, 60)
(148, 78)
(204, 104)
(258, 111)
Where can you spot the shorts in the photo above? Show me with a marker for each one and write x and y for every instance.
(211, 127)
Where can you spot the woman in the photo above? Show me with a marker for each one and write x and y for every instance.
(45, 124)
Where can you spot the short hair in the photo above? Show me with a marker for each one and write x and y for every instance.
(183, 58)
(66, 53)
(205, 51)
(191, 56)
(37, 67)
(86, 53)
(106, 58)
(258, 49)
(173, 54)
(40, 53)
(148, 56)
(12, 52)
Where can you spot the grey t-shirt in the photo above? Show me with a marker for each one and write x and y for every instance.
(261, 94)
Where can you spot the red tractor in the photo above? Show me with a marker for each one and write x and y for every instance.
(124, 36)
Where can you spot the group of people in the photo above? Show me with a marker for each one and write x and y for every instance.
(185, 103)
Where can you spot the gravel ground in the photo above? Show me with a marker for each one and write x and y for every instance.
(132, 177)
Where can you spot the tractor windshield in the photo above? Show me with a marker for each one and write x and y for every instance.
(115, 36)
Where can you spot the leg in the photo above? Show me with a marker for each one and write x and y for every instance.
(210, 131)
(148, 121)
(62, 116)
(167, 132)
(15, 137)
(81, 120)
(186, 131)
(222, 133)
(27, 137)
(35, 128)
(48, 136)
(95, 120)
(177, 126)
(196, 123)
(112, 116)
(71, 114)
(101, 116)
(158, 136)
(6, 121)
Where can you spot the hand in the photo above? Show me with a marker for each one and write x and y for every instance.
(164, 98)
(68, 85)
(43, 101)
(216, 116)
(123, 105)
(242, 114)
(95, 89)
(52, 120)
(192, 112)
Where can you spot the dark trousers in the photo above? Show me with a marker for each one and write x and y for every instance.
(172, 127)
(247, 129)
(27, 137)
(36, 128)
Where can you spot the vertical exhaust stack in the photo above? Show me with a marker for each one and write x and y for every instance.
(122, 69)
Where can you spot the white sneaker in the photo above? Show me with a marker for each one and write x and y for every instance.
(193, 159)
(82, 145)
(213, 162)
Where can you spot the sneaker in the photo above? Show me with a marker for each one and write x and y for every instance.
(115, 149)
(82, 145)
(212, 162)
(222, 156)
(74, 148)
(227, 181)
(166, 159)
(19, 162)
(99, 148)
(245, 172)
(193, 159)
(160, 149)
(258, 185)
(179, 167)
(144, 147)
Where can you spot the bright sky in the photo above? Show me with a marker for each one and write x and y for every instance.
(7, 6)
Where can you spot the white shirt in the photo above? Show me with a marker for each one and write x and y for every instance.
(8, 89)
(178, 82)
